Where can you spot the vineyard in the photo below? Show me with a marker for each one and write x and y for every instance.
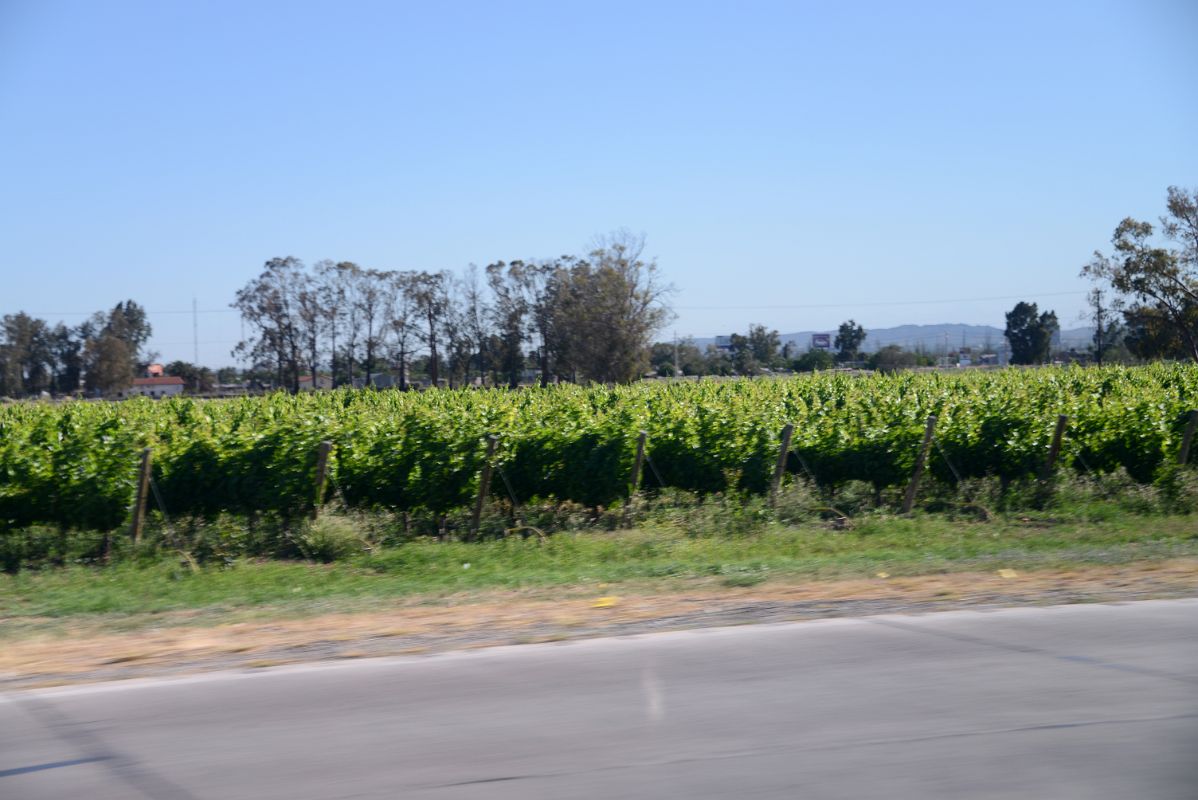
(75, 465)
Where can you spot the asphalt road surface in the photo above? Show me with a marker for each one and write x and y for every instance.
(1067, 702)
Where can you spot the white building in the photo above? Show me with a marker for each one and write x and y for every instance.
(167, 386)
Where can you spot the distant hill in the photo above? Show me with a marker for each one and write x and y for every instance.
(931, 338)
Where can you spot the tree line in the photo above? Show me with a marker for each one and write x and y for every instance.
(1143, 307)
(574, 318)
(759, 350)
(580, 318)
(102, 354)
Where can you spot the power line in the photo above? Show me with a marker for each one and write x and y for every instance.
(180, 344)
(89, 313)
(854, 304)
(846, 304)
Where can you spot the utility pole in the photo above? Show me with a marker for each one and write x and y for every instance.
(195, 334)
(677, 371)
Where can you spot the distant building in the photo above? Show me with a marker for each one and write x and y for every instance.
(378, 380)
(323, 382)
(155, 371)
(157, 387)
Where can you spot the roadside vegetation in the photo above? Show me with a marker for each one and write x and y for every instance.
(352, 561)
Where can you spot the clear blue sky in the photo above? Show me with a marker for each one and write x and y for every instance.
(854, 155)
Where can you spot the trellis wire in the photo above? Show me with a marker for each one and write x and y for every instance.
(172, 535)
(660, 482)
(947, 460)
(337, 489)
(516, 507)
(803, 464)
(1076, 446)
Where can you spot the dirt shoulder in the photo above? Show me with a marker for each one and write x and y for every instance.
(77, 651)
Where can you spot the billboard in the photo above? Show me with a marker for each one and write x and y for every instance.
(821, 341)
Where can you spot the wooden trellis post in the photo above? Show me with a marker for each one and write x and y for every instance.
(780, 465)
(322, 475)
(1187, 439)
(1054, 450)
(143, 492)
(484, 484)
(634, 481)
(920, 460)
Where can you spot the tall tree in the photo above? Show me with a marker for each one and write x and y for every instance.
(26, 355)
(111, 346)
(764, 344)
(109, 363)
(403, 321)
(605, 310)
(538, 280)
(756, 350)
(474, 318)
(127, 321)
(67, 347)
(1030, 333)
(196, 379)
(849, 339)
(331, 293)
(371, 295)
(311, 321)
(509, 315)
(744, 361)
(430, 296)
(1161, 282)
(664, 355)
(1151, 335)
(269, 305)
(343, 280)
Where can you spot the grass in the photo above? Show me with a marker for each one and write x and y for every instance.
(664, 553)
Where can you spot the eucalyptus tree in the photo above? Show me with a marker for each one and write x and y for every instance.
(1160, 281)
(401, 320)
(311, 316)
(268, 305)
(509, 316)
(332, 300)
(474, 322)
(373, 291)
(430, 297)
(603, 311)
(343, 282)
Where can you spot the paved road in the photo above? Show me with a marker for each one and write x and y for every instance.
(1068, 702)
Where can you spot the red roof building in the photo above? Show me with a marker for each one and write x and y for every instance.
(164, 386)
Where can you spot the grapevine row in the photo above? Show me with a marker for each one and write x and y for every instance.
(75, 464)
